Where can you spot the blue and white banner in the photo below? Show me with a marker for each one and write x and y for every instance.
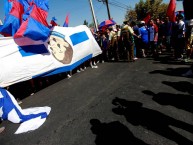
(23, 59)
(29, 119)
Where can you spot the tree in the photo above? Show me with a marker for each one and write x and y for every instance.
(131, 15)
(91, 25)
(156, 8)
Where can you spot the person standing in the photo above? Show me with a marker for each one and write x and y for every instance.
(153, 37)
(167, 33)
(112, 45)
(143, 34)
(160, 43)
(119, 42)
(180, 37)
(128, 43)
(136, 39)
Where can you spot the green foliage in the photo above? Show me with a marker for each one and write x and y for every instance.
(156, 8)
(131, 15)
(91, 25)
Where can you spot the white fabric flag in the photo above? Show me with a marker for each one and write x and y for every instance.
(30, 119)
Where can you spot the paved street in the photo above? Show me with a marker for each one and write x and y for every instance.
(140, 103)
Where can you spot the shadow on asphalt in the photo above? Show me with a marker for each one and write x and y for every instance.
(167, 58)
(153, 120)
(171, 71)
(113, 133)
(179, 101)
(182, 86)
(24, 89)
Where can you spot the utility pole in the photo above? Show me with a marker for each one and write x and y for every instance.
(93, 15)
(107, 4)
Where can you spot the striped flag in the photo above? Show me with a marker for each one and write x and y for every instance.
(35, 26)
(13, 19)
(53, 22)
(7, 6)
(66, 21)
(30, 119)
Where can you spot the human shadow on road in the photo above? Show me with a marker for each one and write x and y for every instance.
(171, 71)
(179, 101)
(167, 58)
(152, 120)
(182, 86)
(113, 133)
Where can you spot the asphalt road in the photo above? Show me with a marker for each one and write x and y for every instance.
(140, 103)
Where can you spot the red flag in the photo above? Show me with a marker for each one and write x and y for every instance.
(171, 10)
(53, 23)
(147, 18)
(13, 19)
(66, 21)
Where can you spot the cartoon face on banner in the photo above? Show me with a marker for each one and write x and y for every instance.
(60, 48)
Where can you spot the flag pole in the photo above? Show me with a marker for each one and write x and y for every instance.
(93, 15)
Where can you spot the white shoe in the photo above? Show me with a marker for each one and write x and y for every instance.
(68, 76)
(81, 69)
(188, 74)
(135, 58)
(85, 67)
(103, 61)
(78, 71)
(95, 66)
(30, 95)
(94, 63)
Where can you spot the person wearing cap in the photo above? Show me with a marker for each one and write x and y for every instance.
(143, 34)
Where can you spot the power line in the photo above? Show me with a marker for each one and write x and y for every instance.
(122, 9)
(107, 4)
(120, 4)
(117, 5)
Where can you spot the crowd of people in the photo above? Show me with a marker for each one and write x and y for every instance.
(128, 42)
(135, 40)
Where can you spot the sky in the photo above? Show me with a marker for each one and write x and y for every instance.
(79, 10)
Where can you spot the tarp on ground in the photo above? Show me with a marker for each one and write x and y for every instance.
(23, 59)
